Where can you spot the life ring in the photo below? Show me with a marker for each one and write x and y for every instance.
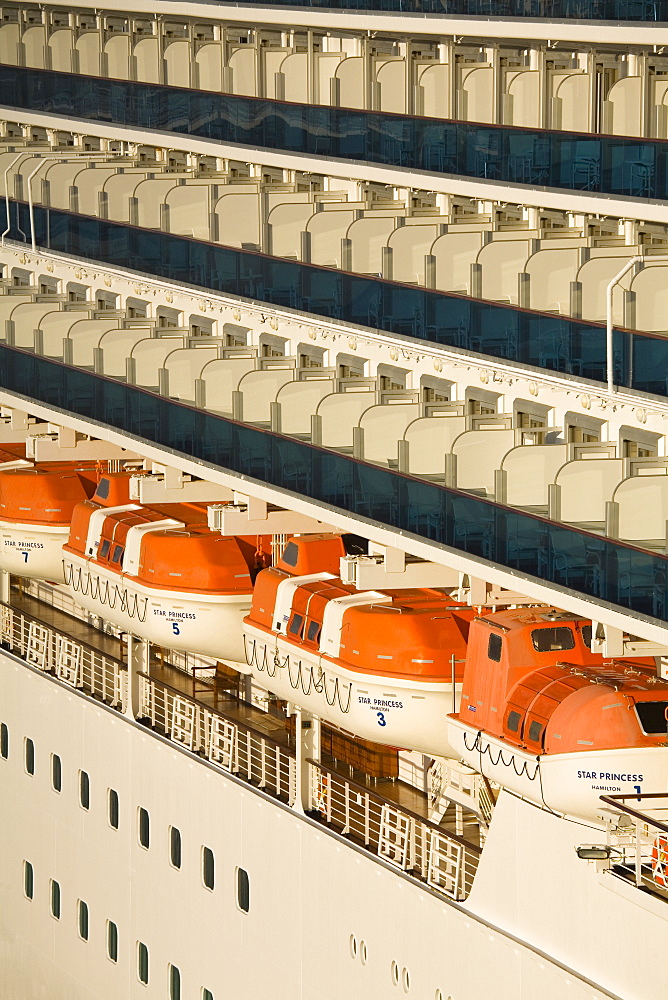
(660, 860)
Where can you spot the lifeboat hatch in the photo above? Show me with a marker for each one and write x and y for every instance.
(532, 702)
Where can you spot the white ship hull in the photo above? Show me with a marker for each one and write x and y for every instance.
(314, 897)
(33, 551)
(570, 784)
(209, 625)
(388, 710)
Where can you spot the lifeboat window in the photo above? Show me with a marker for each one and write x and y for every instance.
(104, 548)
(28, 880)
(103, 489)
(494, 646)
(513, 723)
(295, 627)
(586, 635)
(652, 715)
(549, 640)
(118, 554)
(535, 731)
(313, 631)
(4, 741)
(290, 554)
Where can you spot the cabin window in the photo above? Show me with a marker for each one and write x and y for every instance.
(30, 756)
(84, 789)
(313, 632)
(208, 868)
(56, 772)
(290, 553)
(118, 554)
(175, 846)
(513, 723)
(103, 489)
(550, 640)
(144, 828)
(535, 731)
(104, 548)
(142, 963)
(113, 809)
(494, 647)
(4, 741)
(174, 983)
(28, 880)
(243, 890)
(586, 635)
(55, 899)
(83, 920)
(112, 940)
(296, 625)
(652, 715)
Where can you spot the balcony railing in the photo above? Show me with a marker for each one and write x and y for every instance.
(542, 340)
(638, 842)
(636, 168)
(595, 566)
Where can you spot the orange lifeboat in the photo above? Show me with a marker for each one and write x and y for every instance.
(36, 505)
(384, 665)
(545, 717)
(160, 573)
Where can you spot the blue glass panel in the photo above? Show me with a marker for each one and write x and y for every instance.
(530, 338)
(608, 164)
(590, 564)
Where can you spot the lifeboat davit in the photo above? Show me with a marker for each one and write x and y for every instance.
(36, 506)
(377, 664)
(553, 722)
(160, 573)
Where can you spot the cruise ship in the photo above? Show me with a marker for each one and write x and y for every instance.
(334, 500)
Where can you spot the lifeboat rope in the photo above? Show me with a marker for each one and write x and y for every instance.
(524, 769)
(99, 590)
(297, 682)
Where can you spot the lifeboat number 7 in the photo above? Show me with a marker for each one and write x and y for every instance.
(25, 553)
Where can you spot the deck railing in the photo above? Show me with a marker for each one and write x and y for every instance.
(638, 843)
(55, 652)
(398, 835)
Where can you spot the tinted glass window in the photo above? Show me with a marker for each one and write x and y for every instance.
(313, 631)
(550, 640)
(84, 789)
(174, 983)
(142, 963)
(30, 756)
(206, 994)
(208, 867)
(56, 772)
(28, 880)
(652, 715)
(494, 647)
(243, 890)
(513, 723)
(104, 548)
(535, 730)
(290, 553)
(113, 808)
(296, 625)
(175, 846)
(118, 554)
(83, 920)
(103, 489)
(112, 940)
(4, 741)
(144, 828)
(586, 635)
(55, 899)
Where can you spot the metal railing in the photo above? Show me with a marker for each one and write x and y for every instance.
(400, 836)
(638, 842)
(55, 652)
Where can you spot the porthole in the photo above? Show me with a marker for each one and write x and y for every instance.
(353, 946)
(394, 972)
(406, 980)
(363, 952)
